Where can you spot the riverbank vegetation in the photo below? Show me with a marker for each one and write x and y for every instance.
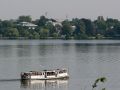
(48, 28)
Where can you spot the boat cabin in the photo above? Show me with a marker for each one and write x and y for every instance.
(45, 74)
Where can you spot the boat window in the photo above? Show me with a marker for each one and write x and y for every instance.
(62, 71)
(50, 73)
(40, 73)
(36, 73)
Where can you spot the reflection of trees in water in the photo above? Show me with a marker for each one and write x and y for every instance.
(24, 50)
(45, 50)
(44, 84)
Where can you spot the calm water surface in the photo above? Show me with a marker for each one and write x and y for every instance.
(85, 59)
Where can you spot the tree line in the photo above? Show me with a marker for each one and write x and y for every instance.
(47, 28)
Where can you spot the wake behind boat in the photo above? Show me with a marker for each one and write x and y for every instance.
(45, 74)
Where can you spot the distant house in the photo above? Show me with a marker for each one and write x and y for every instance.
(55, 22)
(73, 27)
(28, 24)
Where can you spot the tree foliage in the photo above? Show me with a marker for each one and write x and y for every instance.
(11, 32)
(24, 19)
(50, 28)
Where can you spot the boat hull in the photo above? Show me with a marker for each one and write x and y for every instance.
(65, 77)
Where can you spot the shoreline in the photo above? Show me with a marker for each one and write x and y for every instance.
(59, 38)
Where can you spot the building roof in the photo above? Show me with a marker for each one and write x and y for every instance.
(28, 24)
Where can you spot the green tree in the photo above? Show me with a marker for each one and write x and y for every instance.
(112, 27)
(80, 30)
(80, 26)
(11, 32)
(111, 23)
(88, 27)
(51, 29)
(42, 21)
(44, 33)
(116, 29)
(67, 29)
(55, 35)
(7, 23)
(24, 19)
(58, 29)
(24, 32)
(35, 35)
(101, 26)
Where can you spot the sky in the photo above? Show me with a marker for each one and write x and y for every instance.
(60, 9)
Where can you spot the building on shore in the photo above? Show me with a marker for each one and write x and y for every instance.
(28, 25)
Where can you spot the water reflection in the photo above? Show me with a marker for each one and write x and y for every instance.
(23, 50)
(86, 60)
(44, 84)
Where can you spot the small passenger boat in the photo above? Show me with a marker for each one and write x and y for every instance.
(45, 74)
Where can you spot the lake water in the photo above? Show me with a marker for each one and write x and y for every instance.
(86, 60)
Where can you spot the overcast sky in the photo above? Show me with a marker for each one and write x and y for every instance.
(59, 9)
